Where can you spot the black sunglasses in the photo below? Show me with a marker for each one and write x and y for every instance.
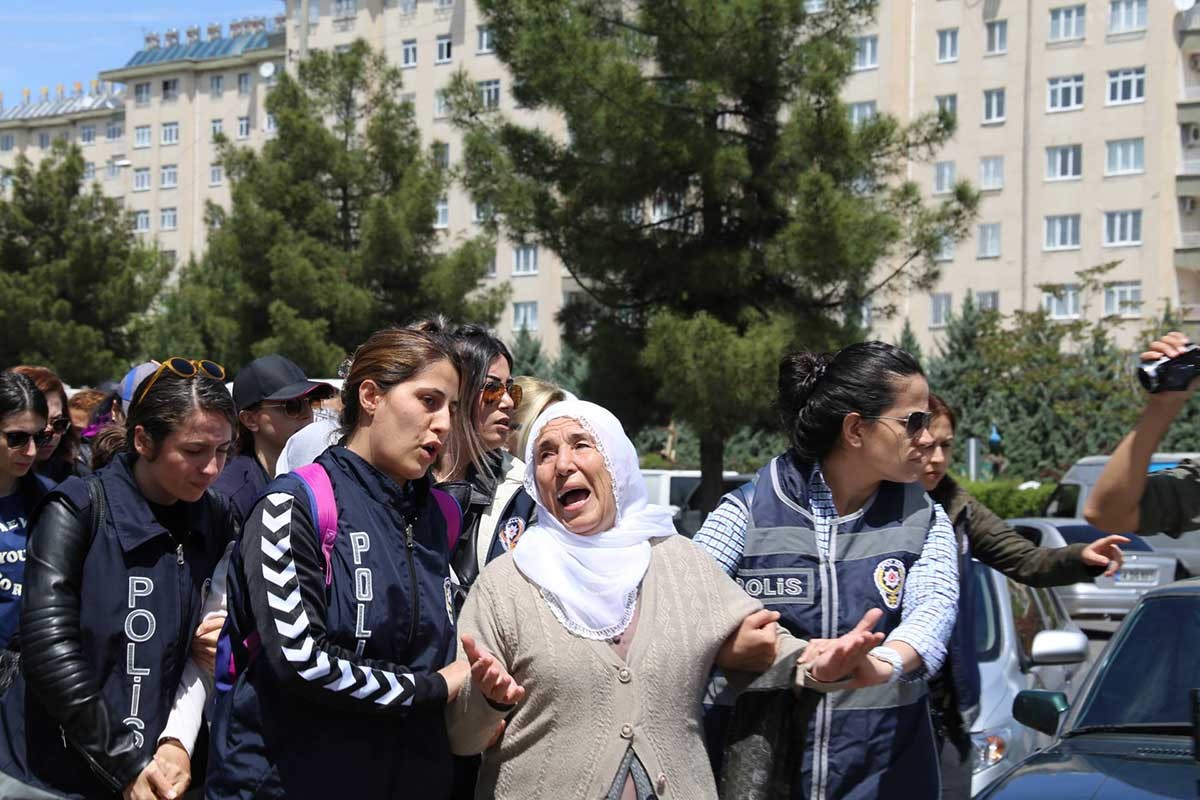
(17, 440)
(59, 425)
(914, 423)
(294, 408)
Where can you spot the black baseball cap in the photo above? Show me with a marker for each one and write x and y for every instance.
(273, 377)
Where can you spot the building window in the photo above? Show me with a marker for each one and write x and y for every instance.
(141, 136)
(6, 143)
(409, 99)
(491, 267)
(216, 86)
(1062, 232)
(1065, 93)
(269, 124)
(945, 251)
(861, 112)
(991, 172)
(1062, 302)
(114, 171)
(947, 104)
(114, 131)
(940, 309)
(525, 316)
(993, 106)
(141, 94)
(243, 83)
(947, 45)
(1123, 299)
(243, 127)
(987, 301)
(216, 127)
(44, 140)
(168, 219)
(141, 221)
(170, 90)
(89, 170)
(485, 45)
(441, 104)
(441, 154)
(1126, 16)
(989, 240)
(442, 214)
(943, 177)
(171, 257)
(87, 134)
(1125, 157)
(1064, 163)
(1126, 86)
(169, 176)
(444, 50)
(408, 53)
(866, 53)
(216, 175)
(483, 212)
(489, 94)
(1068, 22)
(997, 37)
(141, 179)
(525, 260)
(344, 8)
(170, 133)
(1122, 228)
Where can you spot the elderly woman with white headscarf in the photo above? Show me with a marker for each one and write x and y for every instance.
(596, 636)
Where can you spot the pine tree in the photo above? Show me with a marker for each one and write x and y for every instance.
(908, 340)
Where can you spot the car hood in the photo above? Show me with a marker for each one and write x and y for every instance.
(1105, 767)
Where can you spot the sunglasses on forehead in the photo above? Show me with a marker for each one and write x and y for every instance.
(17, 440)
(493, 390)
(185, 368)
(914, 423)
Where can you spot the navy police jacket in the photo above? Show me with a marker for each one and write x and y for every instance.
(242, 482)
(343, 698)
(865, 743)
(112, 602)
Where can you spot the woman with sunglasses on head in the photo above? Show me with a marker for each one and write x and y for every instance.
(954, 692)
(340, 624)
(274, 400)
(840, 525)
(117, 571)
(56, 458)
(23, 412)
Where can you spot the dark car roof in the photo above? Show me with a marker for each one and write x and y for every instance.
(1191, 586)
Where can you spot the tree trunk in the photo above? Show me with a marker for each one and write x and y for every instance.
(712, 462)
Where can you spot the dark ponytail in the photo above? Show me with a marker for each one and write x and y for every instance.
(19, 393)
(165, 407)
(817, 391)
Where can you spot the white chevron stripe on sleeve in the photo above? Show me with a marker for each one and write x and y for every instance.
(317, 670)
(281, 577)
(285, 604)
(347, 679)
(301, 654)
(273, 522)
(278, 550)
(290, 630)
(397, 688)
(371, 686)
(277, 499)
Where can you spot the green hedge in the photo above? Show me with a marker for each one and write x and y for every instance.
(1006, 500)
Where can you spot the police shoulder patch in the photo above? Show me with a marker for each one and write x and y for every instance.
(510, 532)
(889, 580)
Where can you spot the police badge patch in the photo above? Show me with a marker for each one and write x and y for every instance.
(511, 531)
(889, 580)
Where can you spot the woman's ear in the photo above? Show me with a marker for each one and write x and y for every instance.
(853, 429)
(369, 397)
(143, 445)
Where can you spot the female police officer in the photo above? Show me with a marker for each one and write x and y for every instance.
(114, 582)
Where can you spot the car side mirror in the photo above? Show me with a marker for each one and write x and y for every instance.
(1040, 710)
(1059, 647)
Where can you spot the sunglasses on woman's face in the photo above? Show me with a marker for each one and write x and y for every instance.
(295, 408)
(914, 423)
(59, 425)
(493, 390)
(17, 440)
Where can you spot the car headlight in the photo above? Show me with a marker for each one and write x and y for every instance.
(990, 747)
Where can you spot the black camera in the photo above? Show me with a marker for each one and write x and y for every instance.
(1171, 374)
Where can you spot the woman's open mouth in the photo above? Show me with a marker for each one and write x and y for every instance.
(574, 499)
(431, 449)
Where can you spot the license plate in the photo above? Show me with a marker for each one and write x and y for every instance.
(1135, 575)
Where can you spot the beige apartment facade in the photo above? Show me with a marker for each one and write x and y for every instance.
(1078, 122)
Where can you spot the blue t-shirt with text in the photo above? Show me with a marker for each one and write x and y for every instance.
(14, 514)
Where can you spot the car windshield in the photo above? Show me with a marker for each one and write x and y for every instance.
(1145, 680)
(986, 613)
(1086, 534)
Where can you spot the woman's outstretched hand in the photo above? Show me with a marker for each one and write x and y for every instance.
(491, 676)
(832, 660)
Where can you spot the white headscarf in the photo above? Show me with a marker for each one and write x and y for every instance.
(591, 582)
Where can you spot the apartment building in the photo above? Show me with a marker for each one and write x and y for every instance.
(1080, 124)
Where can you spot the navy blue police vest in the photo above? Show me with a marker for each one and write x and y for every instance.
(866, 743)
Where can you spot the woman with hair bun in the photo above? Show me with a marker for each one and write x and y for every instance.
(840, 525)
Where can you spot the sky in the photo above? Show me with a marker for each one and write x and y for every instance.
(63, 41)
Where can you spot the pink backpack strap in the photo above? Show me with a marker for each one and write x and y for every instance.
(452, 513)
(316, 484)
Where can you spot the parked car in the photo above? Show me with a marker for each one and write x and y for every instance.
(1107, 598)
(679, 490)
(1073, 490)
(1132, 731)
(1024, 640)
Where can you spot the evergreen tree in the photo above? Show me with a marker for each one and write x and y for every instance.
(74, 277)
(712, 172)
(908, 341)
(331, 233)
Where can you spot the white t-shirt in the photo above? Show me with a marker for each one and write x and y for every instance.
(306, 444)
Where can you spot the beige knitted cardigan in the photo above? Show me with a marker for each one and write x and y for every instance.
(585, 705)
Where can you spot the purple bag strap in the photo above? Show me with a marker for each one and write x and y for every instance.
(324, 509)
(452, 513)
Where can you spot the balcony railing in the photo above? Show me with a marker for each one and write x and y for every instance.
(1189, 240)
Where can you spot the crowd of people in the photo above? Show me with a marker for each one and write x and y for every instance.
(444, 581)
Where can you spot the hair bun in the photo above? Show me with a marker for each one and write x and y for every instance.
(799, 374)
